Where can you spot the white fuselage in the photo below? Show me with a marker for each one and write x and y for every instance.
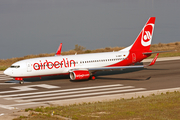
(63, 64)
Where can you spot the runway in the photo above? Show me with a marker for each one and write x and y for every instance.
(108, 85)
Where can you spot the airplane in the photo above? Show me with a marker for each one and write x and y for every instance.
(84, 66)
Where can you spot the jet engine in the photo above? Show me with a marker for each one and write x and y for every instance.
(79, 75)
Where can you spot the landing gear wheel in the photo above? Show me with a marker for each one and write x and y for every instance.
(21, 82)
(93, 77)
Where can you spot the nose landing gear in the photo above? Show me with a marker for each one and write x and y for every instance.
(21, 81)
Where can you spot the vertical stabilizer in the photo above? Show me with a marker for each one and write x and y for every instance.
(143, 41)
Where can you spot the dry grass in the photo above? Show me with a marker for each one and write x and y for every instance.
(81, 50)
(165, 47)
(160, 107)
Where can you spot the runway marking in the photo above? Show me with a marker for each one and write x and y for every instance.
(80, 95)
(4, 77)
(133, 94)
(63, 95)
(28, 88)
(45, 95)
(65, 90)
(7, 83)
(29, 103)
(8, 107)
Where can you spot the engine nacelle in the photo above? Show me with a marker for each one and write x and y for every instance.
(79, 75)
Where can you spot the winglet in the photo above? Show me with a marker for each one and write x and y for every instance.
(58, 53)
(154, 60)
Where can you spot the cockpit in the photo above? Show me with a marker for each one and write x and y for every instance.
(15, 66)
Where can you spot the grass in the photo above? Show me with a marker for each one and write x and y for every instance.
(5, 63)
(154, 107)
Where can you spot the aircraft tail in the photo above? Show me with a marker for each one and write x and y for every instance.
(143, 41)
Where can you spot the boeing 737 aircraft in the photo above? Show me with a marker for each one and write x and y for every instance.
(84, 66)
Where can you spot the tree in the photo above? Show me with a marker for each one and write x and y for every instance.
(79, 48)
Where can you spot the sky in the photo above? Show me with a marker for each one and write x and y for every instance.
(39, 26)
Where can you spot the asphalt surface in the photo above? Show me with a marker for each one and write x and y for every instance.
(36, 91)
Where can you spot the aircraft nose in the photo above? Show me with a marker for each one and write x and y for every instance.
(7, 72)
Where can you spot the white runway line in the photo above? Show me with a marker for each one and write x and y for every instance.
(28, 88)
(80, 95)
(4, 77)
(45, 95)
(85, 92)
(12, 106)
(108, 97)
(65, 90)
(8, 107)
(13, 91)
(29, 103)
(7, 83)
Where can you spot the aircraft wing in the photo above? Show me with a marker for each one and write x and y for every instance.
(115, 67)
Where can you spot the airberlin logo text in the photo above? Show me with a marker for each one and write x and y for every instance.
(57, 64)
(82, 75)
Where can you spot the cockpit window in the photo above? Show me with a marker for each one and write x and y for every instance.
(15, 66)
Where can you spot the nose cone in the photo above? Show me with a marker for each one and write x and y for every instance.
(8, 72)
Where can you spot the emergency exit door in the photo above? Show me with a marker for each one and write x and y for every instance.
(29, 67)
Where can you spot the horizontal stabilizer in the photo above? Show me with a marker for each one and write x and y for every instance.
(147, 53)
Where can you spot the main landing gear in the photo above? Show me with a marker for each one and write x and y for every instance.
(93, 77)
(21, 82)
